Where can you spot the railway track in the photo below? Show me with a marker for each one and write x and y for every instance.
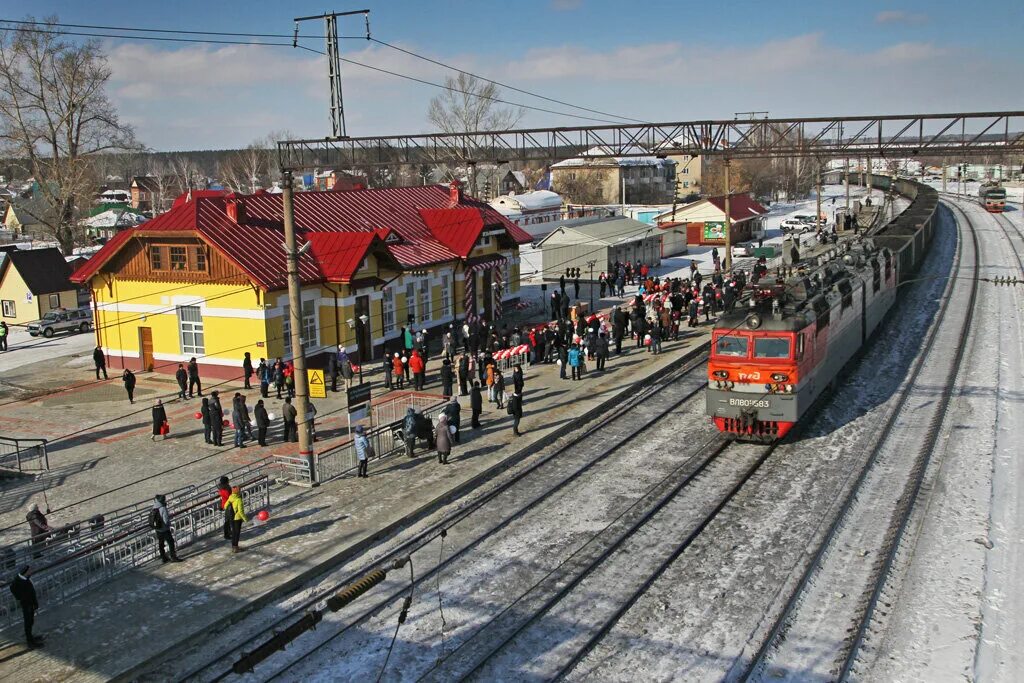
(544, 476)
(852, 563)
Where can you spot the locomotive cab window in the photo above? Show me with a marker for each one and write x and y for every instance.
(729, 345)
(772, 347)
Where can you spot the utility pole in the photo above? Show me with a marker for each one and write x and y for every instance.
(945, 171)
(728, 220)
(295, 318)
(817, 192)
(868, 181)
(846, 174)
(334, 62)
(591, 264)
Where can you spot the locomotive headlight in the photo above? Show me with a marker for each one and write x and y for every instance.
(721, 374)
(779, 377)
(789, 388)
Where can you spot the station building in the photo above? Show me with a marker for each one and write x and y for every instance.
(601, 241)
(208, 279)
(702, 223)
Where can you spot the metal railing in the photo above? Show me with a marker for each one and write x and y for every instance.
(393, 410)
(24, 455)
(192, 518)
(72, 538)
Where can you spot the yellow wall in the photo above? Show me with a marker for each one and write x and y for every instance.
(13, 288)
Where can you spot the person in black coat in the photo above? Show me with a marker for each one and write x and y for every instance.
(262, 423)
(25, 593)
(159, 418)
(576, 288)
(193, 378)
(207, 420)
(476, 404)
(454, 412)
(561, 282)
(101, 362)
(463, 374)
(447, 378)
(182, 377)
(556, 306)
(517, 379)
(247, 370)
(565, 304)
(128, 377)
(515, 409)
(216, 419)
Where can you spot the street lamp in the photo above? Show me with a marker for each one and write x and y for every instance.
(591, 264)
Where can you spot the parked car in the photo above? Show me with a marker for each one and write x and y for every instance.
(61, 320)
(805, 218)
(792, 225)
(744, 249)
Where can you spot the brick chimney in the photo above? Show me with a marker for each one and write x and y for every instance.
(235, 209)
(455, 193)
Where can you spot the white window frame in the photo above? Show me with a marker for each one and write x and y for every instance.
(10, 308)
(194, 328)
(387, 305)
(446, 295)
(54, 301)
(309, 335)
(410, 302)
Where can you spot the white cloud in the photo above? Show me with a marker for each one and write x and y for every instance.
(901, 17)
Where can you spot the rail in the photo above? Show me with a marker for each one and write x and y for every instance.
(131, 547)
(24, 455)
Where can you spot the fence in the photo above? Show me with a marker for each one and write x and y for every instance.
(393, 410)
(24, 455)
(192, 518)
(71, 539)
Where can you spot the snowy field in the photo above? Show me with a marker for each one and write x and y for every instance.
(23, 349)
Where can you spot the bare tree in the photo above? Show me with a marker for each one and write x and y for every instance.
(184, 174)
(585, 186)
(247, 169)
(469, 104)
(161, 183)
(54, 113)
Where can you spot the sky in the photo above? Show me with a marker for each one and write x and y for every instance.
(652, 60)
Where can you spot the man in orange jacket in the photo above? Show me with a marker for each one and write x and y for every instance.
(419, 370)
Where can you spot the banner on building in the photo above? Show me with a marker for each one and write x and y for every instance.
(714, 230)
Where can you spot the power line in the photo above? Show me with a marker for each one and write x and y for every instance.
(174, 31)
(503, 85)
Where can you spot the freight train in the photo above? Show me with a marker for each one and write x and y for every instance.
(781, 348)
(993, 197)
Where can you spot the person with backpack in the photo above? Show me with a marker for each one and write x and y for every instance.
(233, 508)
(160, 523)
(25, 593)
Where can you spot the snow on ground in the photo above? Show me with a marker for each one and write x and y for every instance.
(23, 349)
(959, 615)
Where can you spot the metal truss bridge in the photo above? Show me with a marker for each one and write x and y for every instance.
(957, 136)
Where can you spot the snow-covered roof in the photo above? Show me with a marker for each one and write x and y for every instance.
(115, 218)
(529, 201)
(602, 155)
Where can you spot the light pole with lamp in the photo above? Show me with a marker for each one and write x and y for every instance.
(352, 326)
(591, 265)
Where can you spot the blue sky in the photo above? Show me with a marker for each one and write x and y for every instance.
(652, 60)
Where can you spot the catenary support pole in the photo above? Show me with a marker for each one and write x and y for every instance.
(817, 192)
(728, 220)
(846, 174)
(295, 318)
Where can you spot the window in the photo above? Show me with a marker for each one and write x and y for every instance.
(425, 300)
(156, 258)
(190, 325)
(55, 301)
(387, 302)
(686, 183)
(686, 170)
(9, 310)
(199, 259)
(771, 347)
(728, 345)
(446, 296)
(179, 258)
(410, 301)
(307, 333)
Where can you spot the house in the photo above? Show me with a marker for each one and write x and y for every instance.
(532, 211)
(208, 278)
(704, 223)
(595, 178)
(146, 193)
(32, 283)
(514, 182)
(602, 242)
(106, 223)
(689, 173)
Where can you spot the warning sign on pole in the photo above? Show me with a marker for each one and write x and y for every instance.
(317, 388)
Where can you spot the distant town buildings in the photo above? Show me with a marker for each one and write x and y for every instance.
(593, 179)
(703, 223)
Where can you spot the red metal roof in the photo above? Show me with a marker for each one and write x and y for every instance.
(429, 230)
(741, 207)
(96, 261)
(197, 194)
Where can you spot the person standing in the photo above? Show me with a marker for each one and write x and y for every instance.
(364, 451)
(25, 593)
(576, 288)
(388, 370)
(289, 379)
(409, 431)
(515, 409)
(476, 404)
(288, 414)
(442, 439)
(518, 381)
(224, 490)
(602, 281)
(575, 362)
(399, 371)
(278, 375)
(602, 350)
(345, 366)
(419, 370)
(499, 388)
(98, 359)
(193, 378)
(454, 412)
(447, 378)
(247, 370)
(262, 422)
(332, 370)
(463, 374)
(3, 336)
(128, 377)
(182, 378)
(237, 514)
(236, 421)
(159, 420)
(263, 374)
(216, 419)
(160, 522)
(204, 412)
(39, 530)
